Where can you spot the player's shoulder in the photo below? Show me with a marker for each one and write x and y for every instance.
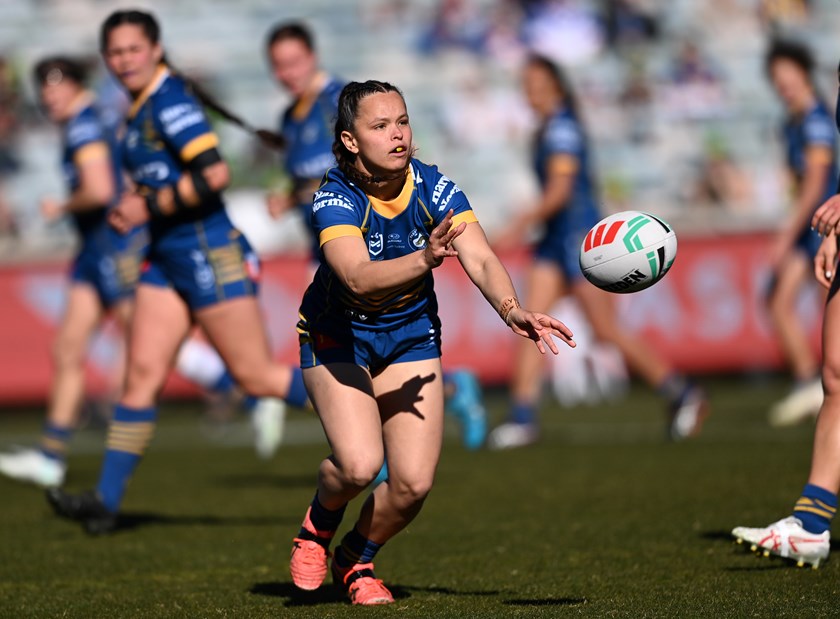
(433, 186)
(85, 127)
(819, 125)
(563, 130)
(333, 89)
(338, 191)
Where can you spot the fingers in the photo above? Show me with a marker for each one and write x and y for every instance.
(826, 216)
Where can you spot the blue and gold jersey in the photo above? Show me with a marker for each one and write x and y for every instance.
(166, 129)
(563, 136)
(813, 129)
(390, 229)
(308, 130)
(85, 137)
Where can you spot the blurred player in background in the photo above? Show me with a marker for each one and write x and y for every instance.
(805, 535)
(811, 150)
(567, 209)
(102, 280)
(199, 267)
(370, 333)
(307, 127)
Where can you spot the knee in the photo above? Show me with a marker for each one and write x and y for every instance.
(831, 377)
(360, 472)
(144, 376)
(409, 493)
(68, 352)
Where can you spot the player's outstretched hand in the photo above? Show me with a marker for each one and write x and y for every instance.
(440, 241)
(129, 212)
(540, 328)
(827, 217)
(825, 262)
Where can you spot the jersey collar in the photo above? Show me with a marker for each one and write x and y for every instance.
(160, 76)
(392, 208)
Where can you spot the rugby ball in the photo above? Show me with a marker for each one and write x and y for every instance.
(627, 252)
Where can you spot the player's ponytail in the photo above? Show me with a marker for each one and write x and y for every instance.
(151, 29)
(348, 110)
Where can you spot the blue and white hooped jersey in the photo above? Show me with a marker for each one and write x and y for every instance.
(166, 129)
(85, 137)
(390, 229)
(814, 129)
(563, 136)
(309, 134)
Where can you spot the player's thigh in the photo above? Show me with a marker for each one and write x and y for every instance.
(160, 322)
(122, 312)
(82, 315)
(342, 395)
(236, 330)
(598, 306)
(545, 284)
(410, 397)
(789, 277)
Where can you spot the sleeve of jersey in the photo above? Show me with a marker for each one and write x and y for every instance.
(184, 125)
(86, 140)
(564, 140)
(334, 215)
(819, 132)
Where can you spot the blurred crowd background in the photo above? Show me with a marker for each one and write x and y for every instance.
(674, 95)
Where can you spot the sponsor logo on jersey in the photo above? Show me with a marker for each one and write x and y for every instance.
(328, 198)
(375, 244)
(154, 170)
(132, 138)
(178, 117)
(84, 132)
(417, 239)
(394, 240)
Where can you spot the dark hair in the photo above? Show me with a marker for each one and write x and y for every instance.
(294, 31)
(559, 77)
(151, 30)
(798, 53)
(59, 68)
(348, 109)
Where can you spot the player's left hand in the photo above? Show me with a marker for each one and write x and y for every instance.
(827, 217)
(129, 212)
(540, 328)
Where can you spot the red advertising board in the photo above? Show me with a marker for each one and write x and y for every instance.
(707, 315)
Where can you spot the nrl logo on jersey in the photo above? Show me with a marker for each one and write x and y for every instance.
(375, 244)
(417, 239)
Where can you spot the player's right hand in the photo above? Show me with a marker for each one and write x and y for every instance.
(825, 262)
(440, 241)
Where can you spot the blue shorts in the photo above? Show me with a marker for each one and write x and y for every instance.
(213, 265)
(334, 342)
(563, 250)
(112, 274)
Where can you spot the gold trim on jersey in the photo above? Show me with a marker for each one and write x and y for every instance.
(465, 217)
(335, 232)
(198, 145)
(304, 104)
(91, 151)
(818, 155)
(161, 73)
(392, 208)
(563, 164)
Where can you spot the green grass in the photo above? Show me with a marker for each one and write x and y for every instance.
(602, 519)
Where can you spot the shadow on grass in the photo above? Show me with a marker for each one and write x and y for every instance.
(129, 521)
(331, 595)
(266, 480)
(546, 602)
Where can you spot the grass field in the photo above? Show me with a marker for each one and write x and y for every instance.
(602, 519)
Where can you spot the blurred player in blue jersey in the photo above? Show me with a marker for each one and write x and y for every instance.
(103, 276)
(370, 336)
(567, 209)
(805, 535)
(811, 152)
(199, 268)
(104, 270)
(307, 127)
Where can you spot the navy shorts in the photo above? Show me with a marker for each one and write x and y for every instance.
(333, 342)
(563, 250)
(205, 268)
(808, 242)
(112, 274)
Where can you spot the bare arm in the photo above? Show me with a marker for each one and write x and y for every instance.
(96, 184)
(490, 276)
(348, 257)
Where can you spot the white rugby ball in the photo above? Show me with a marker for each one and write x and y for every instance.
(628, 251)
